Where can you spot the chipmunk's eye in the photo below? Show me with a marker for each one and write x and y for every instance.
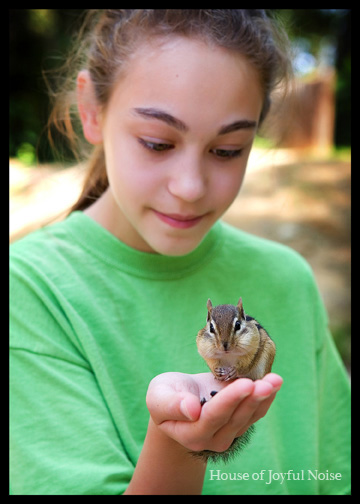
(212, 330)
(237, 326)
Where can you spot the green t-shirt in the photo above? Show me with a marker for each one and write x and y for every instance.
(92, 321)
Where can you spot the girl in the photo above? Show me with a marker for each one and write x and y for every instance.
(106, 305)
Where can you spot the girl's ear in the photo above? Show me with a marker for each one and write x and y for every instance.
(89, 109)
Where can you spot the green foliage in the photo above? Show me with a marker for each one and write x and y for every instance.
(39, 41)
(26, 153)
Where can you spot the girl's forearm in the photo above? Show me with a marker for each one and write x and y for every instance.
(166, 467)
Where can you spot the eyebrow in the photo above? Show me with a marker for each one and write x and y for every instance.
(237, 125)
(154, 113)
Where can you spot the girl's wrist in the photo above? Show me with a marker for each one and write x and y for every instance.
(166, 467)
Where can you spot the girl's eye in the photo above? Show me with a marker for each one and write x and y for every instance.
(159, 147)
(227, 153)
(155, 146)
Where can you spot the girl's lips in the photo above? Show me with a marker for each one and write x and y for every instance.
(179, 221)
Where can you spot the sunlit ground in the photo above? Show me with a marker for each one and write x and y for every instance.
(302, 202)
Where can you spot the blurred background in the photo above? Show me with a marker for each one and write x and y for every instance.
(297, 189)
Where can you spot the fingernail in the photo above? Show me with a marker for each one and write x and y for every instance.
(184, 410)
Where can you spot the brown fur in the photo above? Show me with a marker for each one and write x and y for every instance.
(246, 352)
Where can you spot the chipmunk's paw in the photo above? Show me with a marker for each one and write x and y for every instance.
(225, 373)
(203, 400)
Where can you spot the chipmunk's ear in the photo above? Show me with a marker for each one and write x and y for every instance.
(241, 309)
(209, 307)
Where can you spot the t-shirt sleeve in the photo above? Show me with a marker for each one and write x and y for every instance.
(334, 421)
(62, 437)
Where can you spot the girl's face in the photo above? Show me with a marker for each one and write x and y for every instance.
(177, 133)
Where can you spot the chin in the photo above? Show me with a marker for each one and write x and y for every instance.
(177, 247)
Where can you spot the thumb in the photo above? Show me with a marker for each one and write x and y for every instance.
(190, 407)
(164, 403)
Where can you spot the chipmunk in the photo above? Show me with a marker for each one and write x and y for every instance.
(235, 345)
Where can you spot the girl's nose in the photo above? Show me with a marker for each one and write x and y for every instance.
(188, 181)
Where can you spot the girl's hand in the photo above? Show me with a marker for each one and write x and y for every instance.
(173, 400)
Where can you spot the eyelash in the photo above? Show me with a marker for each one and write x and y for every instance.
(227, 154)
(160, 148)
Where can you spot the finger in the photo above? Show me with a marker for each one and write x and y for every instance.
(266, 400)
(242, 415)
(262, 391)
(259, 412)
(240, 420)
(257, 415)
(275, 380)
(217, 412)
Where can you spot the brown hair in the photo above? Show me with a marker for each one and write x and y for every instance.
(108, 37)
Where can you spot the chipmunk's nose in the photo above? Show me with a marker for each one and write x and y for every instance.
(225, 345)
